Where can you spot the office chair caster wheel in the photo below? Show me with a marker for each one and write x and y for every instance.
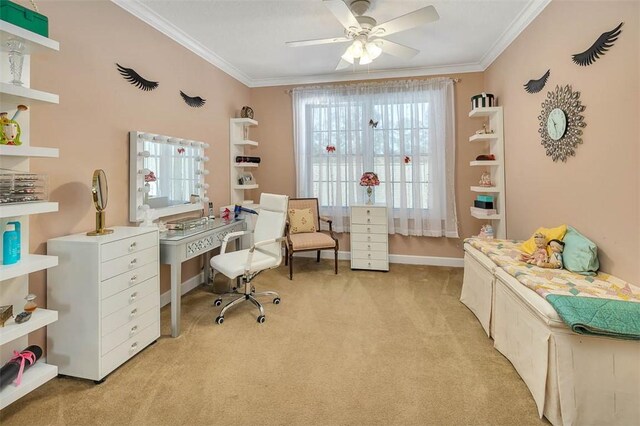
(276, 301)
(261, 319)
(219, 320)
(217, 302)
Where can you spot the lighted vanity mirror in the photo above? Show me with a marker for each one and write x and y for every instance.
(166, 175)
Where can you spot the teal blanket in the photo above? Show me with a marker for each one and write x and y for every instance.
(599, 317)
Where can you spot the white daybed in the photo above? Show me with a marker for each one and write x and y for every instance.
(574, 379)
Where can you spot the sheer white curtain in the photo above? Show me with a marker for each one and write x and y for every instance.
(404, 131)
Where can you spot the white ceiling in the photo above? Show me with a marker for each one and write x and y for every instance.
(245, 38)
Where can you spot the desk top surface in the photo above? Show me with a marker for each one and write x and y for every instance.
(216, 224)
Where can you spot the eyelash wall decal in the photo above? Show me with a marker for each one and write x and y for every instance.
(134, 78)
(534, 86)
(602, 44)
(194, 102)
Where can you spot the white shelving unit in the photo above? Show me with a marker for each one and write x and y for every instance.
(28, 151)
(14, 279)
(237, 143)
(495, 168)
(13, 210)
(28, 264)
(33, 378)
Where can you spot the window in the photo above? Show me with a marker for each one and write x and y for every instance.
(402, 131)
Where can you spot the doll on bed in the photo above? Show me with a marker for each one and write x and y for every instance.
(539, 256)
(555, 259)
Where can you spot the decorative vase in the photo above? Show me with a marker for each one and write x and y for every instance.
(16, 59)
(369, 194)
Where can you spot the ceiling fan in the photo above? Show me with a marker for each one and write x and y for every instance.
(367, 35)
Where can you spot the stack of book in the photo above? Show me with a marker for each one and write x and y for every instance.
(484, 205)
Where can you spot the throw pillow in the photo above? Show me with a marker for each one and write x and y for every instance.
(580, 255)
(301, 221)
(556, 233)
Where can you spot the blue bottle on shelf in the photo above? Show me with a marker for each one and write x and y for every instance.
(17, 224)
(10, 245)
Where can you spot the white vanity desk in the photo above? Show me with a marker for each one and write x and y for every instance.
(177, 247)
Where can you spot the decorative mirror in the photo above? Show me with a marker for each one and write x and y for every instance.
(100, 193)
(166, 176)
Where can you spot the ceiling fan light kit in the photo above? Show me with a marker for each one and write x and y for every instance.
(365, 33)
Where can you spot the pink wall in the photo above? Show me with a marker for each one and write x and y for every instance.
(98, 108)
(598, 190)
(276, 173)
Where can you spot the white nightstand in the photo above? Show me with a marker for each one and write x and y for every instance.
(369, 237)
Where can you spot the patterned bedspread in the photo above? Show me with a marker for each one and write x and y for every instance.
(589, 305)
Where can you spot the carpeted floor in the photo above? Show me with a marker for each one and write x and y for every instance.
(359, 348)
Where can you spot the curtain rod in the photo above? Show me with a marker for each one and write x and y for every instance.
(455, 80)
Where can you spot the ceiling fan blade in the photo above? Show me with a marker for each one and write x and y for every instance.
(342, 65)
(396, 49)
(317, 41)
(342, 13)
(408, 21)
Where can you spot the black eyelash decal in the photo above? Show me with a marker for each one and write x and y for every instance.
(373, 124)
(534, 86)
(602, 44)
(134, 78)
(195, 102)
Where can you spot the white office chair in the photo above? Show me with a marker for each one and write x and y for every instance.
(265, 253)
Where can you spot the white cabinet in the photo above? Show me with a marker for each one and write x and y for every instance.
(369, 237)
(107, 292)
(495, 168)
(238, 141)
(14, 279)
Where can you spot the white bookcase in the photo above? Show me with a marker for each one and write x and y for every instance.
(238, 143)
(495, 143)
(14, 279)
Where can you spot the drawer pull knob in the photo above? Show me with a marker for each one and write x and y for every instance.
(369, 263)
(368, 220)
(369, 238)
(134, 346)
(133, 297)
(369, 246)
(132, 246)
(133, 330)
(133, 262)
(369, 255)
(133, 279)
(133, 313)
(368, 211)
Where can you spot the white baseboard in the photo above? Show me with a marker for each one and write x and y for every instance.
(187, 286)
(454, 262)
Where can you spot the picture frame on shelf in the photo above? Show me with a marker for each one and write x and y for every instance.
(245, 179)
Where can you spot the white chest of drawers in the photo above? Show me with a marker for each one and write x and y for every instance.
(369, 237)
(107, 292)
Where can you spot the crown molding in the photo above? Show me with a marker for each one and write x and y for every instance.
(145, 14)
(522, 21)
(142, 12)
(366, 75)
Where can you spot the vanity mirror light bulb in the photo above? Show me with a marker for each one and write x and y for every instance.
(160, 138)
(172, 141)
(144, 189)
(205, 172)
(144, 172)
(144, 154)
(206, 145)
(144, 207)
(184, 142)
(205, 158)
(205, 199)
(146, 136)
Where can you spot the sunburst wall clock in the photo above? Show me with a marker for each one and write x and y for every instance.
(561, 123)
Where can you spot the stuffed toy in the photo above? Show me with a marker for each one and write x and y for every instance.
(539, 256)
(555, 259)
